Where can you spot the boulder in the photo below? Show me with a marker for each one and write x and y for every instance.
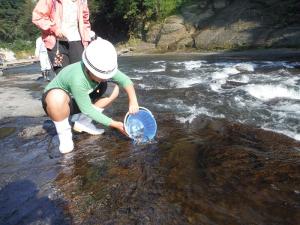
(172, 31)
(168, 28)
(237, 35)
(286, 37)
(219, 4)
(137, 46)
(153, 33)
(177, 19)
(170, 39)
(227, 24)
(7, 55)
(186, 43)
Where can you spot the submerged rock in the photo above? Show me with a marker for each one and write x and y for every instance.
(208, 172)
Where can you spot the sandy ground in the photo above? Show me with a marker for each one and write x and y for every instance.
(20, 95)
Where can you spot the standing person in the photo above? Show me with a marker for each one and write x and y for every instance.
(71, 91)
(65, 28)
(42, 55)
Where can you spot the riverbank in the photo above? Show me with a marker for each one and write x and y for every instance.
(265, 53)
(20, 95)
(18, 62)
(124, 50)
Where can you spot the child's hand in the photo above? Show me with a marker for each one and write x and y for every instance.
(133, 108)
(119, 126)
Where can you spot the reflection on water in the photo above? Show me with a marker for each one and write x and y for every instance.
(211, 163)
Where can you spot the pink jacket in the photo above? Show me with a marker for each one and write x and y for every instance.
(47, 15)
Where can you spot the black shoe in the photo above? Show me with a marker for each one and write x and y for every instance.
(41, 78)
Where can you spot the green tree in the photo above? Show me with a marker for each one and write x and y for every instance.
(16, 29)
(112, 19)
(119, 17)
(9, 15)
(25, 29)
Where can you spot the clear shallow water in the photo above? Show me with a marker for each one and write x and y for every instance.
(211, 162)
(27, 69)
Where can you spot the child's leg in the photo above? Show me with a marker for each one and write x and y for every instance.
(56, 104)
(84, 123)
(107, 101)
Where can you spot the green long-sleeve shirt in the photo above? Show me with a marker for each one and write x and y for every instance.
(74, 80)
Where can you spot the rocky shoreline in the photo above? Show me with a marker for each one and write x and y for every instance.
(225, 24)
(139, 50)
(20, 95)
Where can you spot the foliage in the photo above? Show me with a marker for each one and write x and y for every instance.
(113, 19)
(128, 17)
(16, 29)
(118, 20)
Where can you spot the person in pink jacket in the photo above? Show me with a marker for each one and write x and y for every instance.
(65, 27)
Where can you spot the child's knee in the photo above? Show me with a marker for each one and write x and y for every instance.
(57, 97)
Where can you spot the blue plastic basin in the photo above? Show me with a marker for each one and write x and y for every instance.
(140, 126)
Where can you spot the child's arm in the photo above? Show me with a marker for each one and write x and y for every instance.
(127, 84)
(133, 103)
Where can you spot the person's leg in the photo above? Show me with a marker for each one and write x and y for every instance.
(75, 51)
(47, 74)
(98, 92)
(42, 64)
(83, 122)
(64, 49)
(47, 66)
(44, 74)
(107, 101)
(56, 105)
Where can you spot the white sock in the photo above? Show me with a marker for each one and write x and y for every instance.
(62, 125)
(64, 133)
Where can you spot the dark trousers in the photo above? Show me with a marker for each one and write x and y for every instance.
(74, 109)
(71, 51)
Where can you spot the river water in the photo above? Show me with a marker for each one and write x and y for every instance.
(227, 150)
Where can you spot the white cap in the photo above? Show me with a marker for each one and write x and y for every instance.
(100, 58)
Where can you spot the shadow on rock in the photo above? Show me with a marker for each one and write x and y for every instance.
(21, 203)
(49, 127)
